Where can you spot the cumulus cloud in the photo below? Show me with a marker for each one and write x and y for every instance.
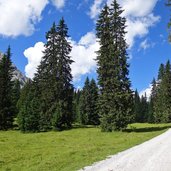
(139, 15)
(95, 8)
(146, 92)
(23, 15)
(34, 56)
(59, 3)
(83, 53)
(27, 13)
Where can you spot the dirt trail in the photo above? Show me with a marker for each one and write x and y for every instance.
(153, 155)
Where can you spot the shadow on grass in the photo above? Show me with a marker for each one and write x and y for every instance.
(84, 126)
(147, 129)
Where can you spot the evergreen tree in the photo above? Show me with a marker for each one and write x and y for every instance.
(93, 117)
(45, 80)
(144, 106)
(115, 101)
(53, 80)
(88, 103)
(76, 105)
(28, 105)
(162, 103)
(161, 72)
(16, 95)
(64, 78)
(6, 85)
(153, 98)
(85, 106)
(137, 106)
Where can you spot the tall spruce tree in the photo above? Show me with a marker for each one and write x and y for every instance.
(6, 86)
(162, 103)
(53, 79)
(76, 106)
(88, 103)
(137, 107)
(29, 112)
(63, 114)
(93, 117)
(16, 95)
(153, 98)
(45, 80)
(116, 100)
(85, 106)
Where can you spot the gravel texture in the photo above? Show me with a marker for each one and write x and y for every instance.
(153, 155)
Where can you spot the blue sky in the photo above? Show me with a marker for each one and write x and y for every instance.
(24, 24)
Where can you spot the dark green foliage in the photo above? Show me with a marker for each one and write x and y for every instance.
(85, 107)
(49, 99)
(144, 109)
(16, 96)
(6, 85)
(137, 107)
(28, 105)
(76, 105)
(162, 104)
(153, 98)
(93, 117)
(88, 103)
(116, 100)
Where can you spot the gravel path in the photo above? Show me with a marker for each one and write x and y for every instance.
(153, 155)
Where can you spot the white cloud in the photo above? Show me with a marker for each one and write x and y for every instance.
(58, 3)
(34, 56)
(139, 27)
(146, 92)
(95, 8)
(19, 17)
(83, 53)
(146, 44)
(139, 15)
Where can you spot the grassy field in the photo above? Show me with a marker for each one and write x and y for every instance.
(68, 150)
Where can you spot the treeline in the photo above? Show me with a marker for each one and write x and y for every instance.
(49, 101)
(9, 92)
(156, 109)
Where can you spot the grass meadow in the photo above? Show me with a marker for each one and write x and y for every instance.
(68, 150)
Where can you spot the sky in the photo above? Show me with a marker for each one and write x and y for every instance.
(24, 23)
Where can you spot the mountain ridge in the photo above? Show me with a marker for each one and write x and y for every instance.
(17, 74)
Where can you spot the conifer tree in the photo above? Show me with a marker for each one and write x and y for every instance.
(29, 113)
(88, 103)
(85, 107)
(137, 106)
(162, 103)
(6, 85)
(93, 117)
(15, 96)
(53, 80)
(115, 101)
(144, 106)
(76, 105)
(153, 98)
(63, 114)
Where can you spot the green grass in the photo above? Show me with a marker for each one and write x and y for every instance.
(68, 150)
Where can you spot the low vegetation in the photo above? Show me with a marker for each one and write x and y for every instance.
(69, 150)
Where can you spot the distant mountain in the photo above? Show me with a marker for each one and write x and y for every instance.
(18, 75)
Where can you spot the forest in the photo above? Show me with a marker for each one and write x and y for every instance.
(50, 102)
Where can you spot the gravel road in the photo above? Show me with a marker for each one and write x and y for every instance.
(153, 155)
